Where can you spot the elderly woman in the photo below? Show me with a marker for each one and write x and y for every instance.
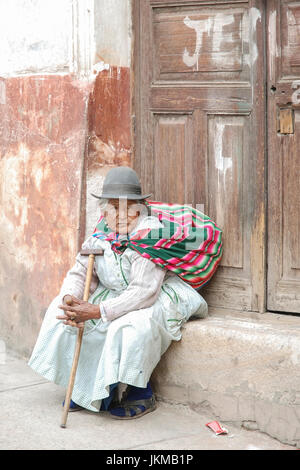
(135, 310)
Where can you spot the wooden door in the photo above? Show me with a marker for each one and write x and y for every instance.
(199, 104)
(283, 46)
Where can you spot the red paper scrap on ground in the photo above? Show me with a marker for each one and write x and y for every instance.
(216, 427)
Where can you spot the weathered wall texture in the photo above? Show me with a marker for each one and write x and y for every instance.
(35, 35)
(64, 120)
(109, 133)
(42, 141)
(110, 102)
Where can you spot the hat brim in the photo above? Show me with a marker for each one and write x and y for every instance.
(133, 197)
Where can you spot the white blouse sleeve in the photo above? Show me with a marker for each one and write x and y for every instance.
(146, 279)
(74, 282)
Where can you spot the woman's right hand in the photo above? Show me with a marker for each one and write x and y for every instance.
(67, 299)
(77, 311)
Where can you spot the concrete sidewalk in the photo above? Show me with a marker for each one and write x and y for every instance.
(31, 411)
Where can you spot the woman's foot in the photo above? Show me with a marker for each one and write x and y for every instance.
(109, 401)
(138, 402)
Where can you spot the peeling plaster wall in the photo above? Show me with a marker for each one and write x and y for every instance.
(42, 141)
(64, 121)
(109, 107)
(113, 31)
(109, 133)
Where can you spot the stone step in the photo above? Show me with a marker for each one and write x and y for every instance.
(240, 367)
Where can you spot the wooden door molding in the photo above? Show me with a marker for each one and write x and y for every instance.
(199, 102)
(283, 88)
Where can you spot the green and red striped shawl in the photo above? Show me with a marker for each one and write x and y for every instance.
(189, 243)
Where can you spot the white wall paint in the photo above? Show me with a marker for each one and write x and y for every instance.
(113, 31)
(63, 36)
(34, 35)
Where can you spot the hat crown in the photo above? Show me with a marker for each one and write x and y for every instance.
(121, 175)
(122, 182)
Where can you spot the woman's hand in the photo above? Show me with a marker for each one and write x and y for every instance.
(77, 311)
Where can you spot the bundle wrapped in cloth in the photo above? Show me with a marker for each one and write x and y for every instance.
(189, 243)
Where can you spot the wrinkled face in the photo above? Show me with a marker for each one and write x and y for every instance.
(121, 214)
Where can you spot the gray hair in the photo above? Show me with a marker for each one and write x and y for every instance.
(103, 204)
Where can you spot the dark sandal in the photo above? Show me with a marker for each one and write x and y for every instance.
(138, 407)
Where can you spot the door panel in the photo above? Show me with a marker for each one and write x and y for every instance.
(173, 135)
(199, 105)
(212, 42)
(283, 46)
(228, 153)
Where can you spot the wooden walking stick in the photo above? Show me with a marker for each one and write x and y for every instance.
(91, 254)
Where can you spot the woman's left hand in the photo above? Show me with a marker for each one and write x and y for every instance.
(79, 312)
